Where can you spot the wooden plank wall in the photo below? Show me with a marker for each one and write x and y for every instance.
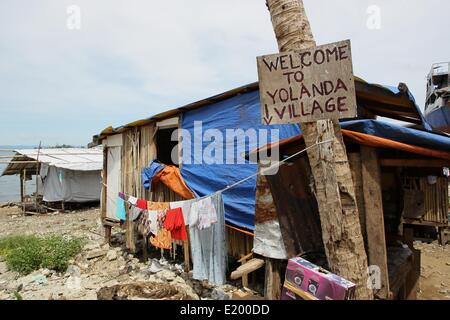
(138, 150)
(239, 244)
(436, 197)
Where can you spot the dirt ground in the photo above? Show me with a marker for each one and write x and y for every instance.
(435, 271)
(103, 271)
(100, 271)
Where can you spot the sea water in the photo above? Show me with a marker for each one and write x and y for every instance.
(10, 185)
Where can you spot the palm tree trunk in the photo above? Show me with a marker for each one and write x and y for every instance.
(335, 192)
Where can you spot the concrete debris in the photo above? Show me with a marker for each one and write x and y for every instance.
(96, 254)
(111, 255)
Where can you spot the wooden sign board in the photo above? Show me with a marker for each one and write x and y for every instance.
(307, 85)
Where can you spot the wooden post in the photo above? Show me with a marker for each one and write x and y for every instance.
(104, 184)
(334, 188)
(272, 286)
(187, 253)
(145, 248)
(36, 203)
(108, 230)
(376, 241)
(24, 191)
(244, 276)
(21, 187)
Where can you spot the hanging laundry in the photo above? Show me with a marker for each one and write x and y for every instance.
(132, 200)
(161, 217)
(147, 227)
(185, 208)
(141, 204)
(203, 213)
(122, 196)
(121, 213)
(153, 218)
(135, 212)
(151, 205)
(208, 247)
(174, 222)
(163, 240)
(142, 223)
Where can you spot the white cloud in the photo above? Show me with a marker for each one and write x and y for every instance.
(137, 58)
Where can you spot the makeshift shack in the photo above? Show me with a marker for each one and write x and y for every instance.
(65, 175)
(131, 148)
(399, 180)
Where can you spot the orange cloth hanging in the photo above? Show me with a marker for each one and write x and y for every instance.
(163, 240)
(171, 177)
(157, 206)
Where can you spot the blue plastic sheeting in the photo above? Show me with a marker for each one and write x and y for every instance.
(149, 172)
(398, 133)
(239, 112)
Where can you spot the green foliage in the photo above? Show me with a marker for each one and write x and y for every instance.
(57, 251)
(62, 146)
(25, 254)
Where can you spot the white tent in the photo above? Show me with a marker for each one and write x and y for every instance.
(67, 174)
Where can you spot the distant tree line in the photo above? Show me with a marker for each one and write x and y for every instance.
(60, 146)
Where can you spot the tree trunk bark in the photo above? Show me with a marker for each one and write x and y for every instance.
(335, 192)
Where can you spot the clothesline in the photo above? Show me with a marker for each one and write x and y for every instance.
(262, 171)
(278, 164)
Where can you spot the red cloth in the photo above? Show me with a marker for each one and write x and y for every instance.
(141, 204)
(175, 224)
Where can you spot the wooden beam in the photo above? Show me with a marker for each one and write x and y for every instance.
(107, 233)
(415, 163)
(187, 252)
(376, 240)
(243, 261)
(245, 258)
(246, 268)
(272, 285)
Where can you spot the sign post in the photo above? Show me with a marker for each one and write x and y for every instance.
(307, 85)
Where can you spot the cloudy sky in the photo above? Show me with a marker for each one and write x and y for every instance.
(132, 59)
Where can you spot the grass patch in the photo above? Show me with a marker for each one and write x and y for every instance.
(26, 254)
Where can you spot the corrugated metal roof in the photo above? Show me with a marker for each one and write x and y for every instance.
(77, 159)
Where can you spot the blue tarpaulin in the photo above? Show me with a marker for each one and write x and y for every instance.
(395, 132)
(149, 172)
(239, 112)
